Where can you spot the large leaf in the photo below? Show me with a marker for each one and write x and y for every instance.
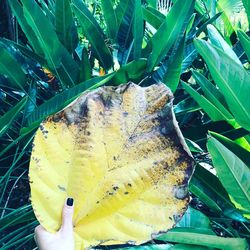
(58, 58)
(93, 33)
(232, 79)
(198, 237)
(10, 68)
(119, 153)
(170, 30)
(65, 26)
(232, 172)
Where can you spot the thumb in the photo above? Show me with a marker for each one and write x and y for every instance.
(67, 215)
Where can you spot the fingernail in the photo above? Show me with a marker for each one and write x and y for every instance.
(70, 202)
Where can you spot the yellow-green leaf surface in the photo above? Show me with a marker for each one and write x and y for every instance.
(119, 153)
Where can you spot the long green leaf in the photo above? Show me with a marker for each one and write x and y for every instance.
(232, 172)
(12, 69)
(17, 10)
(212, 94)
(65, 26)
(232, 79)
(153, 17)
(214, 113)
(137, 30)
(196, 237)
(110, 18)
(245, 41)
(58, 58)
(217, 40)
(235, 148)
(8, 117)
(93, 33)
(169, 30)
(209, 189)
(61, 100)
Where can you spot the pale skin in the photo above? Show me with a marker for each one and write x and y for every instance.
(63, 239)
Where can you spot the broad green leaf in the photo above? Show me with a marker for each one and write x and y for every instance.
(217, 40)
(209, 189)
(85, 70)
(153, 16)
(110, 17)
(93, 33)
(61, 100)
(245, 41)
(10, 115)
(170, 30)
(125, 33)
(11, 69)
(127, 176)
(172, 76)
(196, 237)
(231, 78)
(138, 29)
(214, 113)
(120, 10)
(17, 10)
(232, 172)
(213, 94)
(65, 26)
(235, 148)
(194, 219)
(132, 71)
(58, 58)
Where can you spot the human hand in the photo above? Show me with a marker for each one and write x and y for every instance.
(64, 238)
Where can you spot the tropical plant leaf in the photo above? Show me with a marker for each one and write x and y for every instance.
(93, 33)
(245, 41)
(61, 100)
(110, 18)
(8, 117)
(214, 113)
(153, 17)
(65, 27)
(112, 151)
(213, 94)
(10, 68)
(125, 33)
(85, 70)
(197, 237)
(235, 148)
(209, 189)
(217, 40)
(58, 58)
(231, 78)
(137, 30)
(232, 172)
(170, 29)
(17, 10)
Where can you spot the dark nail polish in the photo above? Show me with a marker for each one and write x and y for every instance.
(70, 202)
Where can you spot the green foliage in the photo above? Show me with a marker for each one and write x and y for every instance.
(63, 48)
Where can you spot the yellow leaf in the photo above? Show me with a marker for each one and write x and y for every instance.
(119, 153)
